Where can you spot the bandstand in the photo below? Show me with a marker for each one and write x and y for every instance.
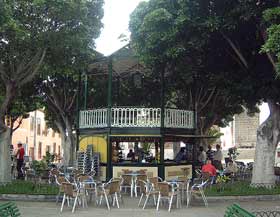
(114, 128)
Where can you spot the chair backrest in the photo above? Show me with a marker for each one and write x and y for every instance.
(114, 187)
(154, 181)
(68, 189)
(142, 171)
(82, 178)
(163, 188)
(126, 171)
(61, 179)
(205, 176)
(144, 187)
(127, 179)
(76, 174)
(141, 177)
(54, 172)
(119, 179)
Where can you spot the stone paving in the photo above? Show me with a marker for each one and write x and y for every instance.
(130, 209)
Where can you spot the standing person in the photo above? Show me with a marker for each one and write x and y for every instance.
(210, 153)
(20, 156)
(202, 156)
(131, 155)
(181, 155)
(218, 157)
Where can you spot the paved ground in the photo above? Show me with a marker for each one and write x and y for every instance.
(130, 209)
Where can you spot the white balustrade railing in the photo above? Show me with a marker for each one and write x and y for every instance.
(175, 118)
(136, 117)
(96, 118)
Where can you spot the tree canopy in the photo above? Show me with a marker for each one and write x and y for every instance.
(223, 50)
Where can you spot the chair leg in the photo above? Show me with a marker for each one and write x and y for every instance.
(189, 200)
(134, 190)
(57, 197)
(158, 202)
(107, 202)
(155, 201)
(204, 198)
(140, 199)
(113, 200)
(74, 205)
(100, 201)
(170, 203)
(146, 201)
(68, 201)
(117, 201)
(62, 204)
(85, 197)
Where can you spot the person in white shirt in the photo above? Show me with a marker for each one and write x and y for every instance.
(231, 168)
(202, 156)
(218, 157)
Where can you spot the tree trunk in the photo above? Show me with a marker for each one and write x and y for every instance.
(5, 156)
(67, 143)
(267, 140)
(70, 142)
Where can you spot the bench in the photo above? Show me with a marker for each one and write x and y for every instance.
(236, 211)
(9, 209)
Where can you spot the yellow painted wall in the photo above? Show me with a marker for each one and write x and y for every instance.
(99, 143)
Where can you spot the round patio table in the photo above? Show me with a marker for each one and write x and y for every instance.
(133, 179)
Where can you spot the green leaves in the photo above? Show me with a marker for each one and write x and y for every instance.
(272, 43)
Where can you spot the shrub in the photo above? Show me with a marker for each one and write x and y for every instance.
(26, 187)
(240, 189)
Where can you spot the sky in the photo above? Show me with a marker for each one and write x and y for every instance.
(115, 21)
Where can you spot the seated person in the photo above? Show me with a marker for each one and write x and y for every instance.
(209, 168)
(231, 168)
(131, 155)
(181, 156)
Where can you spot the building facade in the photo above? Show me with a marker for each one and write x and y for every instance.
(241, 132)
(36, 137)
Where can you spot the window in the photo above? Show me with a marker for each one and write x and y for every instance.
(53, 133)
(54, 147)
(31, 153)
(38, 126)
(40, 150)
(26, 140)
(32, 123)
(58, 150)
(48, 148)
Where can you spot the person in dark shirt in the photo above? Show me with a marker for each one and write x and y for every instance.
(210, 153)
(181, 156)
(131, 155)
(20, 158)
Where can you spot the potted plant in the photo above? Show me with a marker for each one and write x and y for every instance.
(221, 182)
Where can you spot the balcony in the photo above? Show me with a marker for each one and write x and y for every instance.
(121, 117)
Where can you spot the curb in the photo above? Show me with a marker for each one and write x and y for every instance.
(27, 197)
(244, 198)
(52, 198)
